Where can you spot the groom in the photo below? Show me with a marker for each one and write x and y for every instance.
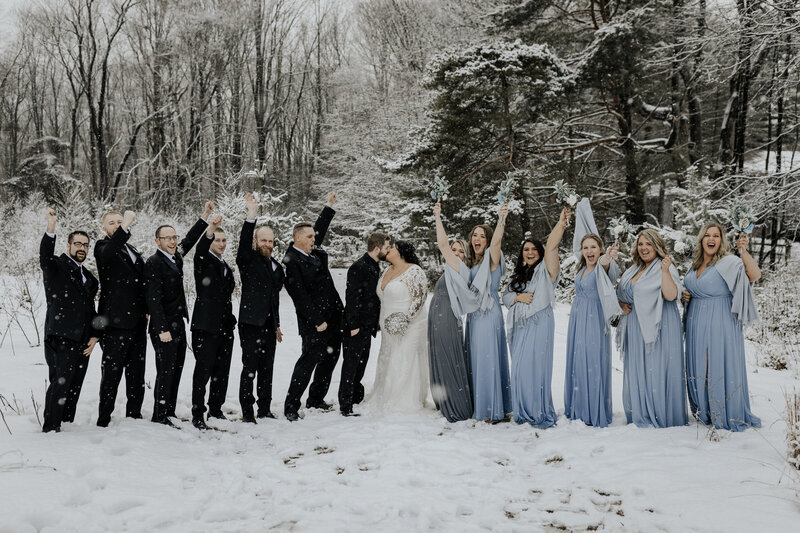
(319, 312)
(361, 320)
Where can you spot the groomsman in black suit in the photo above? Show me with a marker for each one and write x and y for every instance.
(122, 316)
(319, 313)
(212, 324)
(361, 320)
(166, 303)
(259, 318)
(69, 334)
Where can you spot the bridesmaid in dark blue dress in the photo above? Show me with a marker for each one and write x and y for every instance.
(720, 301)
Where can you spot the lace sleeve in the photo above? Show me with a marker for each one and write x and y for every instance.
(417, 283)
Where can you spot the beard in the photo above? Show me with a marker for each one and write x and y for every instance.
(79, 257)
(382, 256)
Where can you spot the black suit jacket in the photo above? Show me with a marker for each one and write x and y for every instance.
(363, 305)
(262, 280)
(166, 299)
(213, 311)
(70, 302)
(310, 284)
(122, 282)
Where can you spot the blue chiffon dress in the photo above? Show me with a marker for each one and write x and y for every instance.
(715, 361)
(486, 345)
(587, 383)
(653, 390)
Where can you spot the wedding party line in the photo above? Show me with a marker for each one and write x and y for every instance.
(457, 349)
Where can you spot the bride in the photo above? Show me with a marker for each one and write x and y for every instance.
(401, 379)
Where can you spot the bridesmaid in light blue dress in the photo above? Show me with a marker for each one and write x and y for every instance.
(529, 298)
(720, 301)
(650, 337)
(587, 382)
(485, 335)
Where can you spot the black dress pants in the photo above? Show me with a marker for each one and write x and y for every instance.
(123, 352)
(258, 359)
(169, 367)
(319, 355)
(355, 353)
(67, 368)
(212, 353)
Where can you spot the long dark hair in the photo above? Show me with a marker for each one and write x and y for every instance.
(407, 252)
(523, 273)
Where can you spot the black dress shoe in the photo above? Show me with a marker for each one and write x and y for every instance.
(249, 419)
(102, 423)
(321, 405)
(268, 414)
(48, 430)
(167, 422)
(199, 424)
(134, 415)
(217, 415)
(349, 412)
(292, 417)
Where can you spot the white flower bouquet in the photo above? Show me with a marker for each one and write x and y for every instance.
(439, 188)
(741, 217)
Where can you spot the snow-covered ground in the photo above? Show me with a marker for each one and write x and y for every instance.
(383, 472)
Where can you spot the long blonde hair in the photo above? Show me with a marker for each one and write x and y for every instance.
(598, 240)
(655, 239)
(724, 247)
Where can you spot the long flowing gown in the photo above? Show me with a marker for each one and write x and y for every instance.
(401, 378)
(486, 345)
(449, 361)
(532, 366)
(715, 361)
(587, 384)
(653, 392)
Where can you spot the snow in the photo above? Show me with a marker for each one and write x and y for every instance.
(384, 472)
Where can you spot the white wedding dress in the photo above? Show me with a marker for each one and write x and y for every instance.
(401, 378)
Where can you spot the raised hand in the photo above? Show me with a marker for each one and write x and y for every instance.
(252, 206)
(563, 219)
(742, 242)
(207, 210)
(613, 251)
(666, 263)
(437, 210)
(215, 221)
(50, 217)
(127, 219)
(332, 198)
(503, 212)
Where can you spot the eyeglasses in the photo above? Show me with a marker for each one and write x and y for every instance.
(169, 238)
(84, 245)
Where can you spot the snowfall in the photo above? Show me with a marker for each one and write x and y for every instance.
(381, 471)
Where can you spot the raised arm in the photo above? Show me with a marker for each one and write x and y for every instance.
(442, 241)
(197, 230)
(497, 237)
(47, 247)
(750, 265)
(116, 242)
(553, 240)
(324, 219)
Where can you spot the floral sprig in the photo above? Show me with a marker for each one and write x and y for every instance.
(621, 229)
(439, 188)
(741, 217)
(565, 194)
(684, 245)
(507, 186)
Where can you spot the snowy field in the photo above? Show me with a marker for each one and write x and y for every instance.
(382, 472)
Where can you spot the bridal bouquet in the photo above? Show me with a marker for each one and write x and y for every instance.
(439, 188)
(396, 323)
(508, 185)
(565, 194)
(621, 229)
(741, 217)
